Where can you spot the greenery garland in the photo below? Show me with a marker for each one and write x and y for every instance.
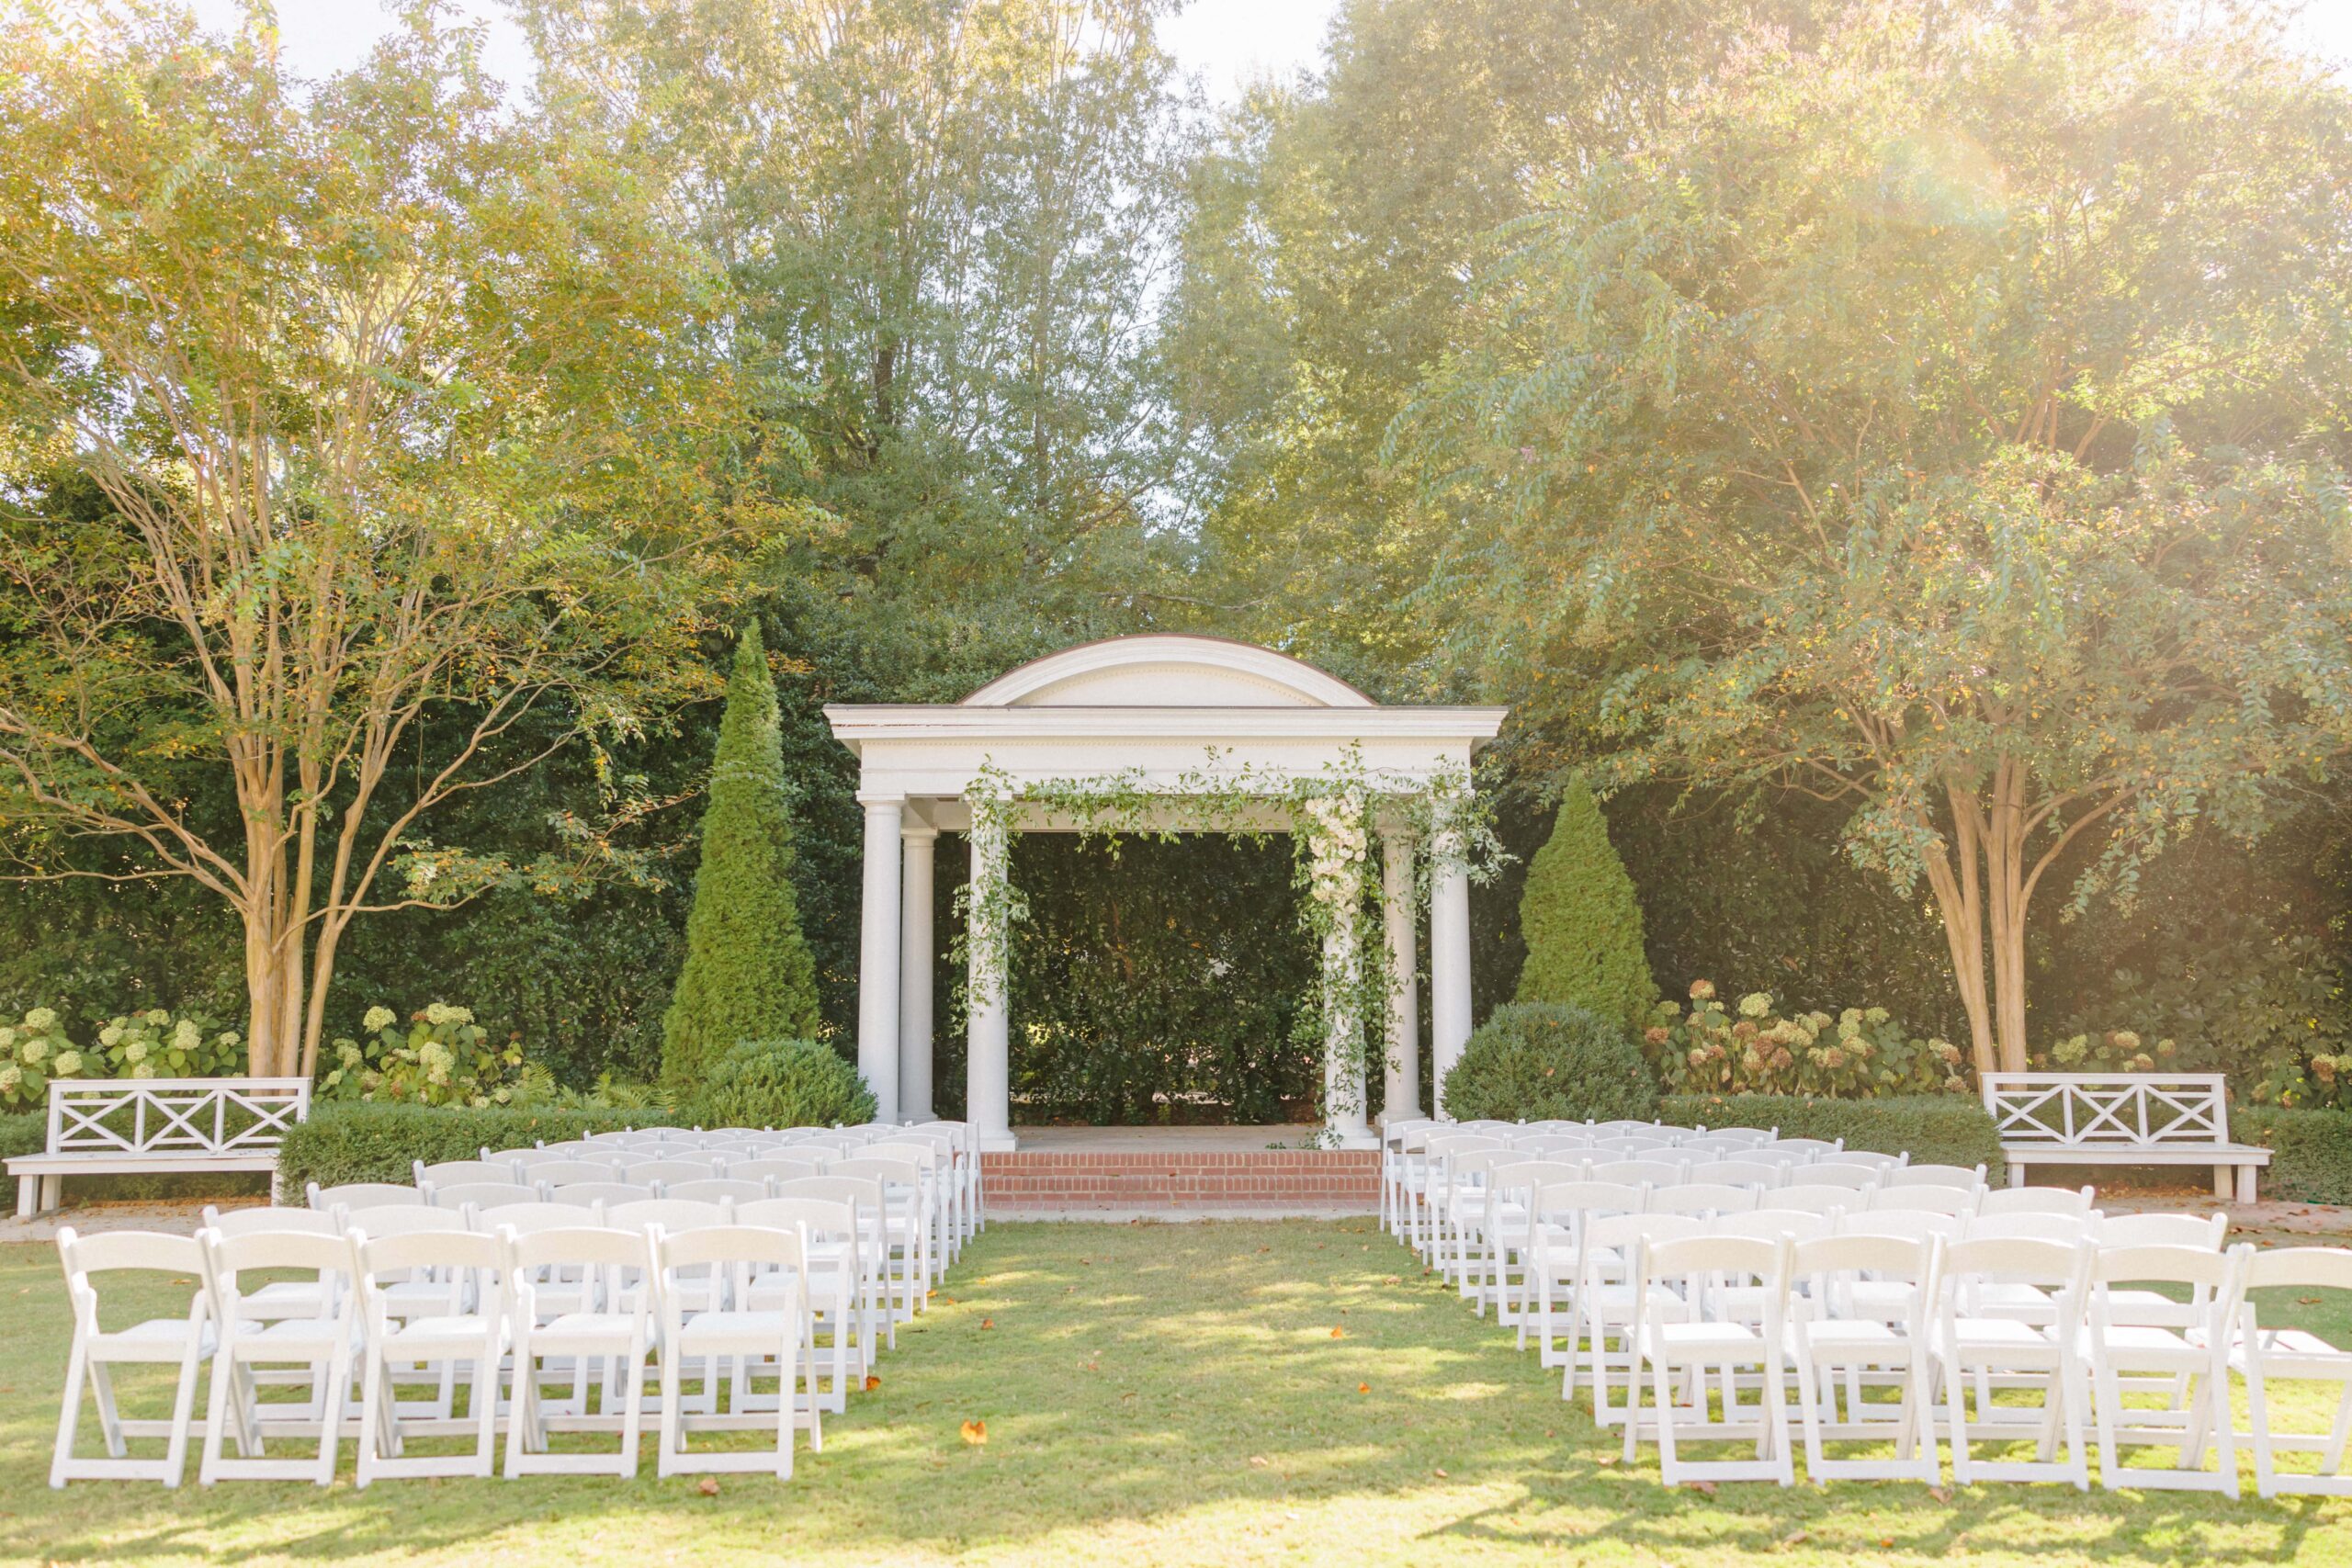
(1331, 816)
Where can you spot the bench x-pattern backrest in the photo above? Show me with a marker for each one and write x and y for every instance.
(2128, 1109)
(174, 1115)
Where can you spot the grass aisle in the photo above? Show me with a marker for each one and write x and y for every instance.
(1203, 1393)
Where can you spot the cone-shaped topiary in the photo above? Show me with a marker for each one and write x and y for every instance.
(1582, 922)
(748, 974)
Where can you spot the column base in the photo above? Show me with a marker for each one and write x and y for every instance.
(998, 1143)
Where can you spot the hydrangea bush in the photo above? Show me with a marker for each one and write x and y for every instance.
(441, 1056)
(1750, 1047)
(158, 1044)
(33, 1050)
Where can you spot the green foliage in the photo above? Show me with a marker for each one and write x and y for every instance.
(747, 975)
(376, 1142)
(1580, 921)
(157, 1044)
(1856, 1054)
(33, 1050)
(779, 1083)
(1160, 973)
(1932, 1129)
(441, 1057)
(2311, 1159)
(19, 1134)
(1543, 1061)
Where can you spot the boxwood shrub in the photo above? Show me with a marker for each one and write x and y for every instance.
(23, 1133)
(371, 1141)
(1535, 1061)
(1933, 1129)
(2311, 1159)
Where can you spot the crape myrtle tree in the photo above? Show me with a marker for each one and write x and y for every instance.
(747, 975)
(405, 424)
(1945, 418)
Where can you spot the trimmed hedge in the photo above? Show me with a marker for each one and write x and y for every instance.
(26, 1133)
(1933, 1129)
(2311, 1159)
(369, 1141)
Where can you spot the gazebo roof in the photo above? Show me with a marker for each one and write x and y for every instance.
(1157, 704)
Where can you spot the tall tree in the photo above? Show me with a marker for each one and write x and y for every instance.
(1946, 420)
(401, 410)
(748, 974)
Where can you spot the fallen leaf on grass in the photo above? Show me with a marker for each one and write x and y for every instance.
(2307, 1300)
(988, 1323)
(1440, 1474)
(1939, 1494)
(976, 1433)
(1339, 1333)
(1704, 1488)
(1607, 1460)
(1363, 1388)
(1258, 1461)
(708, 1486)
(872, 1383)
(1795, 1538)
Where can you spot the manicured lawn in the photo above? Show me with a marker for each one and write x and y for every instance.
(1152, 1394)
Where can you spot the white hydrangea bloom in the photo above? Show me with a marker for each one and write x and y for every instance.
(135, 1052)
(41, 1018)
(110, 1035)
(68, 1062)
(378, 1018)
(187, 1036)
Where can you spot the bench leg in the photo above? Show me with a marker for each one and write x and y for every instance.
(2247, 1174)
(2221, 1183)
(53, 1192)
(2016, 1171)
(28, 1197)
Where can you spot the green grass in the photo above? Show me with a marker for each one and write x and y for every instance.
(1153, 1394)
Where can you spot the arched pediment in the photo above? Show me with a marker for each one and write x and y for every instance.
(1155, 671)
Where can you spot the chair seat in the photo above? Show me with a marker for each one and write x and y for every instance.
(585, 1329)
(441, 1333)
(1844, 1333)
(157, 1339)
(1993, 1334)
(284, 1298)
(289, 1337)
(1686, 1341)
(728, 1329)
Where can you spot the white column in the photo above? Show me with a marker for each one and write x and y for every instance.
(1449, 965)
(915, 977)
(877, 959)
(1401, 1092)
(987, 1082)
(1343, 1085)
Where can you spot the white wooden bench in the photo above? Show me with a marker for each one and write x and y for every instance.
(135, 1126)
(2121, 1118)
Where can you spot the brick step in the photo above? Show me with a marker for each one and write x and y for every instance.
(1269, 1180)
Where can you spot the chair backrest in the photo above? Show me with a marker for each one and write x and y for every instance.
(1912, 1224)
(1869, 1159)
(1604, 1234)
(1614, 1128)
(1936, 1199)
(723, 1246)
(1444, 1145)
(821, 1219)
(231, 1256)
(1490, 1124)
(1731, 1138)
(1572, 1200)
(1703, 1198)
(1515, 1177)
(717, 1189)
(582, 1246)
(927, 1156)
(477, 1252)
(1739, 1173)
(2052, 1265)
(129, 1251)
(2164, 1230)
(588, 1194)
(894, 1172)
(401, 1219)
(2303, 1268)
(1798, 1224)
(1712, 1258)
(561, 1172)
(2195, 1266)
(1972, 1178)
(483, 1194)
(363, 1195)
(2045, 1227)
(570, 1148)
(1818, 1197)
(449, 1172)
(270, 1220)
(1635, 1172)
(778, 1167)
(670, 1214)
(1635, 1148)
(529, 1219)
(1832, 1264)
(1816, 1147)
(668, 1170)
(2035, 1201)
(1828, 1173)
(1553, 1146)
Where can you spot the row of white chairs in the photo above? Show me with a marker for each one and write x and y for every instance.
(1697, 1317)
(595, 1311)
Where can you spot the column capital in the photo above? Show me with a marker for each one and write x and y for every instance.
(869, 801)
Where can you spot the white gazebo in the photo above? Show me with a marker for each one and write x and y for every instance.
(1154, 712)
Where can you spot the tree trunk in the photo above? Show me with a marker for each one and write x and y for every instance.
(1952, 874)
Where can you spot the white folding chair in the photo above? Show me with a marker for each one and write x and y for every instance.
(451, 1172)
(865, 1196)
(904, 1265)
(1554, 1260)
(483, 1194)
(717, 1189)
(1682, 1343)
(1606, 1301)
(1855, 1176)
(1819, 1197)
(549, 1173)
(1981, 1351)
(1838, 1352)
(588, 1323)
(588, 1194)
(934, 1156)
(669, 1168)
(834, 1294)
(1817, 1149)
(2269, 1358)
(1700, 1200)
(186, 1341)
(279, 1298)
(1638, 1172)
(731, 1253)
(2195, 1363)
(1438, 1234)
(1958, 1202)
(1968, 1179)
(257, 1331)
(778, 1167)
(1500, 1269)
(1760, 1174)
(466, 1327)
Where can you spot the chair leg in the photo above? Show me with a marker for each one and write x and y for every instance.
(69, 1416)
